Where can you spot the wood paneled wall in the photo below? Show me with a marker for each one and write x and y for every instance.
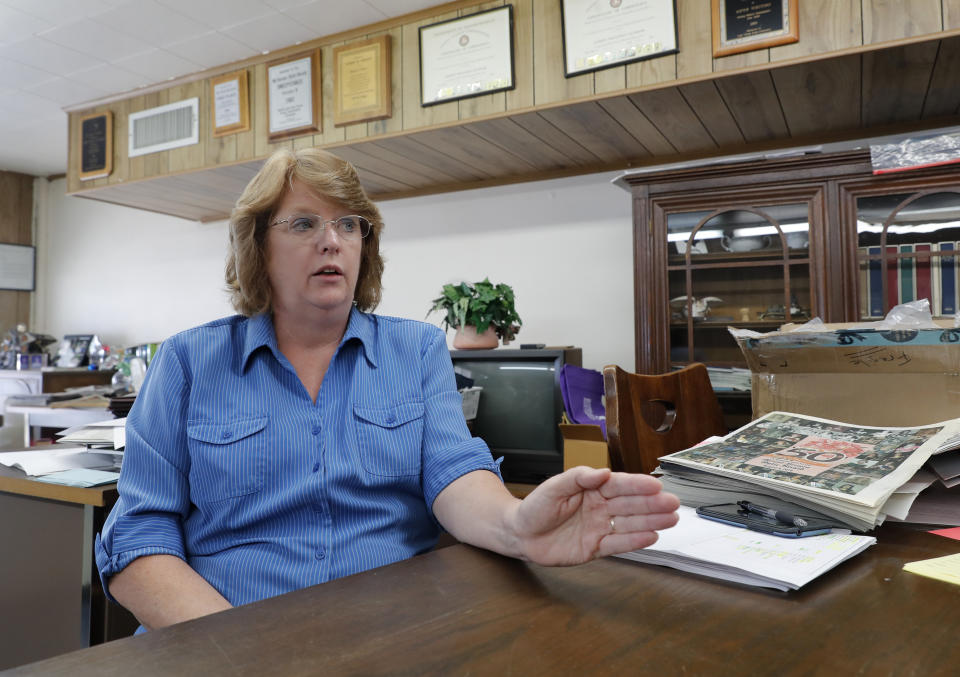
(826, 27)
(16, 227)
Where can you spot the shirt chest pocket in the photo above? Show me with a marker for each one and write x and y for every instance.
(227, 457)
(390, 438)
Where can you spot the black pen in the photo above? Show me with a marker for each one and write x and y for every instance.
(779, 515)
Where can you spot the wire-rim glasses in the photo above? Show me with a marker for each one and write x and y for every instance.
(307, 227)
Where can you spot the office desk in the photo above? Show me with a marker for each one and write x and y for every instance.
(51, 600)
(459, 611)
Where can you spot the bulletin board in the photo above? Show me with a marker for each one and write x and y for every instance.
(17, 267)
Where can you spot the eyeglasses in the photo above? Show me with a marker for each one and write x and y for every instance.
(307, 227)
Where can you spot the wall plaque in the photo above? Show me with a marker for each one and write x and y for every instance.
(361, 81)
(230, 99)
(293, 96)
(745, 25)
(603, 33)
(96, 145)
(469, 56)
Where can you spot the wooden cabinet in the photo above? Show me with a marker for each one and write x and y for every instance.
(757, 244)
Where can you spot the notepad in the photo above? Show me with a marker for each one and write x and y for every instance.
(730, 553)
(945, 569)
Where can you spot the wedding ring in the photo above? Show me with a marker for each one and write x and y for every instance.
(613, 526)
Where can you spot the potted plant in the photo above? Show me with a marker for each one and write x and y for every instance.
(481, 312)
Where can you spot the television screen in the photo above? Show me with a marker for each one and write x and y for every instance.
(520, 407)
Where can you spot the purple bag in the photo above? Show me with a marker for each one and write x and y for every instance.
(582, 391)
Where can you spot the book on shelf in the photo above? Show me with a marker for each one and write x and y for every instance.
(876, 283)
(947, 278)
(853, 475)
(907, 275)
(922, 272)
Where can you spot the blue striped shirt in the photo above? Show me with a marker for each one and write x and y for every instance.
(231, 466)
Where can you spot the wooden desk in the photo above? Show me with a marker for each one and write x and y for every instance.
(51, 600)
(459, 611)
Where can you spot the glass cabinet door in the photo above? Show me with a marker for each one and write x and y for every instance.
(907, 244)
(747, 266)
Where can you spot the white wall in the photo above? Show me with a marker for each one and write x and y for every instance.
(564, 245)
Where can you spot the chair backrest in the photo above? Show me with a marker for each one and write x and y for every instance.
(650, 416)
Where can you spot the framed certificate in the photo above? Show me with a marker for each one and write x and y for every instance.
(465, 57)
(361, 81)
(230, 103)
(293, 96)
(603, 33)
(745, 25)
(96, 145)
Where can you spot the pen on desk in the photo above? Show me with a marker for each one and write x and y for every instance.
(779, 515)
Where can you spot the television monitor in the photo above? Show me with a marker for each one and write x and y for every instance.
(520, 406)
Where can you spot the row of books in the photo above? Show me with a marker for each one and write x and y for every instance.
(913, 272)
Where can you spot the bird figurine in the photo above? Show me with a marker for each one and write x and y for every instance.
(698, 308)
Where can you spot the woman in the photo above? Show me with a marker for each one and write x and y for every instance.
(306, 439)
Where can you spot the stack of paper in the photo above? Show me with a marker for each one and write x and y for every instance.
(852, 474)
(109, 434)
(730, 553)
(55, 459)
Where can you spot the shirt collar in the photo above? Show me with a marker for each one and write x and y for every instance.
(260, 333)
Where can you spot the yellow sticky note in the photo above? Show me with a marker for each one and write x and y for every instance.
(945, 569)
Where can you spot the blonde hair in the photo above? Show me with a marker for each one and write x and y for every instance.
(330, 178)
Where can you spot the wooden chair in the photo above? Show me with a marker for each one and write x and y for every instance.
(650, 416)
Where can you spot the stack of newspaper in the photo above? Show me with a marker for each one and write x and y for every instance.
(853, 475)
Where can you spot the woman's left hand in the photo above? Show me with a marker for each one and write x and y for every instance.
(585, 513)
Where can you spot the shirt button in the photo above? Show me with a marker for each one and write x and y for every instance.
(321, 554)
(316, 430)
(391, 419)
(226, 434)
(316, 467)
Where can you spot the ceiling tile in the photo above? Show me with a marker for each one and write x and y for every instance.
(317, 16)
(400, 7)
(286, 4)
(89, 36)
(29, 105)
(212, 49)
(16, 25)
(157, 65)
(220, 13)
(269, 33)
(151, 22)
(66, 91)
(58, 11)
(15, 75)
(110, 79)
(48, 56)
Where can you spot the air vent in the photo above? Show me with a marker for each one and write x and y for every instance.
(164, 127)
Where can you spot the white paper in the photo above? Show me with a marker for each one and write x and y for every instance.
(732, 553)
(45, 461)
(291, 95)
(226, 103)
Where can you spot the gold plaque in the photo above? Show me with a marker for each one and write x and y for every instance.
(361, 81)
(230, 103)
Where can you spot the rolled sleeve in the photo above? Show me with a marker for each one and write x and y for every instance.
(153, 486)
(449, 451)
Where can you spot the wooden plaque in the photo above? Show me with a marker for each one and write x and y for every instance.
(230, 103)
(96, 145)
(293, 96)
(746, 25)
(361, 81)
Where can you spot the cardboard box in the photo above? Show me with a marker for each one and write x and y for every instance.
(866, 377)
(584, 445)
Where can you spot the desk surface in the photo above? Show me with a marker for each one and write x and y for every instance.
(14, 481)
(459, 610)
